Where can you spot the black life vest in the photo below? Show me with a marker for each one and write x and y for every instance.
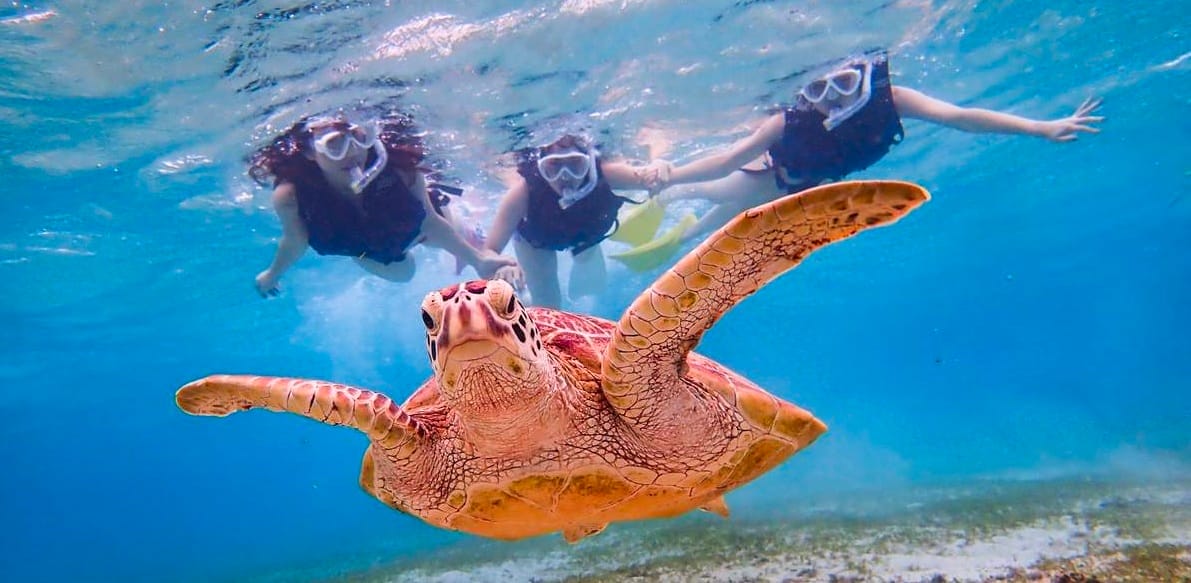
(811, 154)
(381, 223)
(578, 227)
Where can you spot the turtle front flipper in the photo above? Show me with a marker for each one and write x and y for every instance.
(373, 413)
(647, 355)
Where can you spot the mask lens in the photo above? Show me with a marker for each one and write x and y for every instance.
(332, 144)
(362, 137)
(815, 90)
(554, 166)
(846, 82)
(334, 139)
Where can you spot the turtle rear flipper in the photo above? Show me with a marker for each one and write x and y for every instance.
(577, 533)
(334, 404)
(716, 505)
(646, 359)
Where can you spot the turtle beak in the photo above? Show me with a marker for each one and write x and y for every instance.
(466, 341)
(470, 349)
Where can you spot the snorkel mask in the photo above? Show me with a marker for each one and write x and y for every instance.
(570, 172)
(334, 138)
(853, 77)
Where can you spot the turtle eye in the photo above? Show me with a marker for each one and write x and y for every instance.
(502, 299)
(427, 319)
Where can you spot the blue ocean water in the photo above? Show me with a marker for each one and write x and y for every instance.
(1030, 320)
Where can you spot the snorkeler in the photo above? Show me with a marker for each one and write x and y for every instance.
(841, 122)
(355, 189)
(561, 199)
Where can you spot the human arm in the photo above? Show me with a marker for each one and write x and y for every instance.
(513, 208)
(293, 243)
(624, 176)
(440, 233)
(917, 105)
(725, 162)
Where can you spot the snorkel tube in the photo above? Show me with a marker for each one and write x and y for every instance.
(361, 178)
(570, 196)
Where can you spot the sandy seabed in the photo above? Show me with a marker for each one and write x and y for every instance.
(1066, 531)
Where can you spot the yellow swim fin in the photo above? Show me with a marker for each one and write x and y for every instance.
(658, 251)
(640, 223)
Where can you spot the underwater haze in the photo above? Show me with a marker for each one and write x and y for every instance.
(1029, 323)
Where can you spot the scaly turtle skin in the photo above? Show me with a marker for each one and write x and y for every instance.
(538, 421)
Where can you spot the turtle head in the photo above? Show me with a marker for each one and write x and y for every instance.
(486, 352)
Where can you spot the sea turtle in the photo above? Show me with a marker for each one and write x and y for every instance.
(538, 420)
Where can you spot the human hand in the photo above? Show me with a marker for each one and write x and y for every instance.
(1066, 129)
(266, 284)
(513, 275)
(656, 175)
(488, 262)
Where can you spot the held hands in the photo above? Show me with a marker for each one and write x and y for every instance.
(266, 284)
(1067, 129)
(655, 176)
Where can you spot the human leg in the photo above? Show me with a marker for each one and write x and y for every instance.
(732, 195)
(589, 275)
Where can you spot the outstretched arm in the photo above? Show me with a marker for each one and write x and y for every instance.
(647, 358)
(724, 163)
(293, 243)
(513, 208)
(440, 233)
(511, 211)
(918, 105)
(625, 176)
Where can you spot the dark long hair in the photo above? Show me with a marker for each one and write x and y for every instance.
(288, 158)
